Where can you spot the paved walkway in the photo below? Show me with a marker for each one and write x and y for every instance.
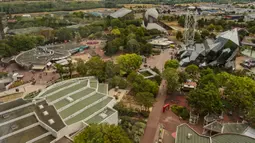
(153, 120)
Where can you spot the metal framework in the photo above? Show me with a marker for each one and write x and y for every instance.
(190, 26)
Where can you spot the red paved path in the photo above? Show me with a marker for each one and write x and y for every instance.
(153, 120)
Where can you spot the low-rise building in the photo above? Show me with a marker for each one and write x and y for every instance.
(229, 133)
(161, 43)
(58, 113)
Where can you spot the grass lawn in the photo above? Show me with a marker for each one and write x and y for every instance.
(145, 73)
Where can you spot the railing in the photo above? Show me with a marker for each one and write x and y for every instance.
(19, 131)
(70, 94)
(76, 101)
(86, 107)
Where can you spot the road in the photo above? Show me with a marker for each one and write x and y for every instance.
(154, 117)
(159, 60)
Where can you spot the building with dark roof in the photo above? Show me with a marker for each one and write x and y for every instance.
(38, 58)
(58, 113)
(213, 52)
(185, 134)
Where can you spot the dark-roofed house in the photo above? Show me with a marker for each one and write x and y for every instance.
(58, 113)
(185, 134)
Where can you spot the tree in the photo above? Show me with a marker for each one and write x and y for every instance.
(171, 64)
(183, 76)
(218, 28)
(198, 37)
(96, 67)
(6, 50)
(22, 42)
(133, 46)
(116, 23)
(84, 31)
(81, 67)
(145, 99)
(117, 81)
(205, 100)
(211, 27)
(115, 32)
(192, 70)
(139, 84)
(112, 47)
(206, 71)
(179, 35)
(146, 49)
(111, 69)
(181, 21)
(172, 78)
(252, 29)
(205, 33)
(60, 70)
(64, 34)
(71, 68)
(102, 133)
(129, 62)
(209, 78)
(251, 115)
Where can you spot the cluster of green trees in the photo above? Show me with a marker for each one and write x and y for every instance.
(144, 90)
(46, 21)
(223, 91)
(175, 77)
(28, 7)
(128, 36)
(12, 45)
(102, 133)
(133, 127)
(216, 91)
(105, 71)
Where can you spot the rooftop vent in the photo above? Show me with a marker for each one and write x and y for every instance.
(45, 113)
(69, 99)
(14, 127)
(51, 121)
(5, 116)
(189, 135)
(40, 106)
(103, 115)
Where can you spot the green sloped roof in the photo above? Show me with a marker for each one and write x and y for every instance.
(232, 138)
(234, 128)
(182, 135)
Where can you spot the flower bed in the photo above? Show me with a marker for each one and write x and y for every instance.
(16, 84)
(180, 111)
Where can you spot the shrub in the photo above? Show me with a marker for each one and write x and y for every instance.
(16, 84)
(124, 111)
(3, 74)
(117, 81)
(180, 111)
(156, 51)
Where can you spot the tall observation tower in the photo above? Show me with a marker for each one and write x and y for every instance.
(190, 26)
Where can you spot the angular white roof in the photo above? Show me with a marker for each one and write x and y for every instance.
(250, 132)
(230, 35)
(152, 12)
(156, 26)
(120, 13)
